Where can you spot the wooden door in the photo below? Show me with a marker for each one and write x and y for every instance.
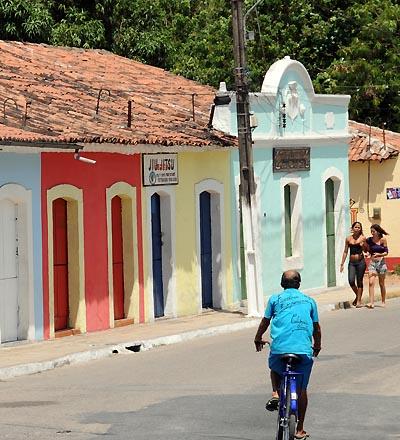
(60, 261)
(117, 258)
(206, 250)
(156, 240)
(330, 231)
(8, 271)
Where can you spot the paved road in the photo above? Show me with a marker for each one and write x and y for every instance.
(215, 388)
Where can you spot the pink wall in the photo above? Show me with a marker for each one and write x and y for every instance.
(62, 168)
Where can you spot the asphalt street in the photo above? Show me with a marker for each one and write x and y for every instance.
(216, 388)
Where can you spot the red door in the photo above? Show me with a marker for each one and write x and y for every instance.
(60, 259)
(118, 258)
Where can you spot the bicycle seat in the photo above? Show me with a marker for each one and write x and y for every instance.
(290, 358)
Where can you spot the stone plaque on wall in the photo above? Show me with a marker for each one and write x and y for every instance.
(291, 159)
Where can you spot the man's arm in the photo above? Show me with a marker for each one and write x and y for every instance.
(262, 328)
(317, 339)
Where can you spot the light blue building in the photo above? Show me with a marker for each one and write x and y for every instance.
(300, 159)
(21, 294)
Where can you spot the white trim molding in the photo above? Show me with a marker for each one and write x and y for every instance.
(76, 272)
(22, 197)
(296, 261)
(340, 222)
(216, 190)
(168, 222)
(127, 193)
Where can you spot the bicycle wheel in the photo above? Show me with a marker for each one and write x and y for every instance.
(292, 426)
(290, 418)
(279, 429)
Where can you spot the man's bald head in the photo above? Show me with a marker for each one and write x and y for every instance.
(291, 279)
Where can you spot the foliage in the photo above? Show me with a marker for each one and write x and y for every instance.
(76, 27)
(23, 20)
(368, 66)
(347, 46)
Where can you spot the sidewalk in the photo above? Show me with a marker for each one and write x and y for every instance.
(32, 357)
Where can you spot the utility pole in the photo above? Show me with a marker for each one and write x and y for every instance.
(248, 202)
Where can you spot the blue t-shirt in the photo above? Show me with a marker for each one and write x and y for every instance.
(292, 317)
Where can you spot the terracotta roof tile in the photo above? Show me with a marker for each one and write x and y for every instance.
(58, 88)
(371, 143)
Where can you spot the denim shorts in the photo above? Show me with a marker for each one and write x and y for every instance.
(377, 266)
(304, 367)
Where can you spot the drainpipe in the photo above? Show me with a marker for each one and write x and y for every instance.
(368, 186)
(369, 168)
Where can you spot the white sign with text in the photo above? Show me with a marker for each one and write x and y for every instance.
(160, 169)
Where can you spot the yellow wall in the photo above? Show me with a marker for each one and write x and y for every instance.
(382, 175)
(192, 168)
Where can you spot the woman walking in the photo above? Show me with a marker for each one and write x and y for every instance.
(377, 248)
(356, 269)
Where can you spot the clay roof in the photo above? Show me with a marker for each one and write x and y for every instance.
(58, 90)
(372, 143)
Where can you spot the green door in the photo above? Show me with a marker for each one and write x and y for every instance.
(288, 221)
(330, 231)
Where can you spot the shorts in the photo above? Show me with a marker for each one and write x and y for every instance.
(377, 266)
(304, 367)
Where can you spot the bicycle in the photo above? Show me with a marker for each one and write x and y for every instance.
(288, 402)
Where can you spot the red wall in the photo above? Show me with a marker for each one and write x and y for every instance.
(62, 168)
(392, 262)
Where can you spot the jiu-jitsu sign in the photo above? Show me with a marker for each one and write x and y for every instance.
(160, 169)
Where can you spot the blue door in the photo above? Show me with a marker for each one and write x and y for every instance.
(206, 250)
(156, 240)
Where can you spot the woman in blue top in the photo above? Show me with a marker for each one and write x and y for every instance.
(377, 249)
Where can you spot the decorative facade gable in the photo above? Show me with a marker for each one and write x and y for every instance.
(288, 107)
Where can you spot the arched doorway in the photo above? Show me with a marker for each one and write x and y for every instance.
(157, 260)
(117, 258)
(8, 271)
(210, 248)
(60, 265)
(67, 306)
(330, 232)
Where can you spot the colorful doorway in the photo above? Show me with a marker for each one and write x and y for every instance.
(157, 263)
(117, 258)
(330, 232)
(60, 265)
(8, 271)
(206, 250)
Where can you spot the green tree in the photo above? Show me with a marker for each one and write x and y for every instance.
(367, 68)
(25, 20)
(204, 51)
(309, 31)
(77, 25)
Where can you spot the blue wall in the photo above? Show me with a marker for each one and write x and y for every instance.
(313, 209)
(25, 170)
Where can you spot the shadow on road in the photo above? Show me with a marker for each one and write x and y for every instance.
(242, 417)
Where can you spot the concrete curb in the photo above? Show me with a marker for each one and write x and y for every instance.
(143, 345)
(127, 347)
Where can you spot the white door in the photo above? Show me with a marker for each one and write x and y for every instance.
(8, 271)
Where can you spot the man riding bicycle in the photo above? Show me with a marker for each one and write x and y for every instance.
(294, 325)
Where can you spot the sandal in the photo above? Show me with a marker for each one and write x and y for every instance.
(302, 437)
(370, 306)
(272, 404)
